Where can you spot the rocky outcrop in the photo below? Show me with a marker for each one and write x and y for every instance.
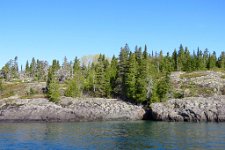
(199, 83)
(68, 109)
(190, 109)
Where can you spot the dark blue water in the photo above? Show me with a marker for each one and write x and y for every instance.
(112, 135)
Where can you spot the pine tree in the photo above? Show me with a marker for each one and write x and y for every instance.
(76, 65)
(52, 86)
(163, 87)
(181, 58)
(200, 60)
(90, 80)
(53, 91)
(212, 61)
(113, 73)
(141, 81)
(73, 89)
(206, 58)
(221, 60)
(130, 80)
(122, 68)
(27, 69)
(100, 77)
(175, 60)
(33, 67)
(187, 61)
(145, 52)
(154, 96)
(75, 85)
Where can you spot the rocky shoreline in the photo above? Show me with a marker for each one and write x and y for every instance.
(192, 109)
(68, 109)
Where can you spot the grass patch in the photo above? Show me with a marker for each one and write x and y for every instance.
(196, 90)
(192, 75)
(11, 89)
(222, 76)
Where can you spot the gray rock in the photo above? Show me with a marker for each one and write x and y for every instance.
(190, 109)
(68, 109)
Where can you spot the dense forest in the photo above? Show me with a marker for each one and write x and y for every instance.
(137, 76)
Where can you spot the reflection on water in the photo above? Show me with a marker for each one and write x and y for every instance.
(112, 135)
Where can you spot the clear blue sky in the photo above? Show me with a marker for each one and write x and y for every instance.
(48, 29)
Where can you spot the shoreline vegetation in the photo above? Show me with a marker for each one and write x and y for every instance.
(138, 78)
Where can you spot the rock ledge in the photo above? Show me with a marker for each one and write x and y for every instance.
(68, 109)
(195, 109)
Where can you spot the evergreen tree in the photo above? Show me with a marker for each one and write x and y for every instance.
(145, 52)
(200, 60)
(33, 67)
(187, 61)
(163, 87)
(175, 60)
(212, 61)
(206, 58)
(221, 60)
(73, 88)
(76, 65)
(154, 96)
(181, 58)
(27, 69)
(122, 68)
(131, 78)
(113, 74)
(53, 91)
(141, 81)
(75, 85)
(90, 80)
(100, 77)
(52, 85)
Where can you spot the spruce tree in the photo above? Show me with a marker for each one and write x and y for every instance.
(114, 73)
(141, 80)
(75, 85)
(221, 60)
(131, 77)
(181, 58)
(52, 86)
(27, 69)
(175, 60)
(122, 68)
(73, 90)
(100, 77)
(163, 87)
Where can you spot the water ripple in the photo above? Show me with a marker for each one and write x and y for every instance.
(112, 135)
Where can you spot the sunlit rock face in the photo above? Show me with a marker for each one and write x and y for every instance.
(190, 109)
(68, 109)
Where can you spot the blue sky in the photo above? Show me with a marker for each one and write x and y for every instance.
(48, 29)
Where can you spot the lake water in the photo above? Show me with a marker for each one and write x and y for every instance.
(112, 135)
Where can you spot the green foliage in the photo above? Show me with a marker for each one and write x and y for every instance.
(73, 89)
(192, 75)
(52, 83)
(1, 85)
(136, 76)
(74, 86)
(163, 87)
(53, 91)
(178, 95)
(120, 89)
(131, 78)
(154, 96)
(141, 82)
